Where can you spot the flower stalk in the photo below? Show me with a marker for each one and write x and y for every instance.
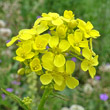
(46, 93)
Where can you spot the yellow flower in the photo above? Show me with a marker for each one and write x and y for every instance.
(24, 53)
(72, 24)
(14, 39)
(76, 40)
(40, 28)
(68, 14)
(48, 77)
(61, 31)
(61, 79)
(47, 61)
(47, 47)
(88, 30)
(35, 65)
(53, 18)
(41, 42)
(58, 49)
(26, 34)
(52, 70)
(89, 62)
(68, 81)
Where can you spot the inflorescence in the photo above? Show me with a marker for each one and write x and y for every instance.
(48, 47)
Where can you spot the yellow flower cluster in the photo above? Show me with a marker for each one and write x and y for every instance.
(47, 48)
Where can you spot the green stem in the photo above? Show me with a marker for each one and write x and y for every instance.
(76, 56)
(46, 93)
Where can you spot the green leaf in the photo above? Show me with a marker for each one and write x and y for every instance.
(17, 99)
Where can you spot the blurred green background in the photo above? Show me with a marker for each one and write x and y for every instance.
(19, 14)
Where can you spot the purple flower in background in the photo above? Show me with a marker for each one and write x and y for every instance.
(3, 96)
(15, 82)
(19, 41)
(49, 32)
(9, 89)
(103, 97)
(38, 17)
(97, 77)
(47, 47)
(74, 59)
(8, 41)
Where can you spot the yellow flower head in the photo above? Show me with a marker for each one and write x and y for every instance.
(47, 49)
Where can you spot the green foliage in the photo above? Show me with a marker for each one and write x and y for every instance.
(19, 14)
(17, 99)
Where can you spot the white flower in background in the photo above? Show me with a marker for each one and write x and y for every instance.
(95, 82)
(76, 107)
(105, 67)
(5, 32)
(2, 24)
(65, 108)
(88, 88)
(7, 52)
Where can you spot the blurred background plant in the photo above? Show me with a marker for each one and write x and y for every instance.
(91, 94)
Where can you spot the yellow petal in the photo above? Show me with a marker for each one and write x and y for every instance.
(81, 24)
(28, 31)
(30, 55)
(70, 66)
(45, 36)
(95, 61)
(53, 42)
(37, 22)
(84, 65)
(86, 53)
(41, 28)
(83, 43)
(14, 39)
(58, 79)
(86, 35)
(78, 35)
(68, 14)
(61, 87)
(57, 22)
(94, 33)
(71, 82)
(60, 69)
(89, 25)
(26, 48)
(92, 71)
(77, 49)
(71, 39)
(47, 61)
(19, 51)
(46, 18)
(40, 43)
(25, 36)
(64, 45)
(59, 60)
(35, 65)
(46, 79)
(18, 58)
